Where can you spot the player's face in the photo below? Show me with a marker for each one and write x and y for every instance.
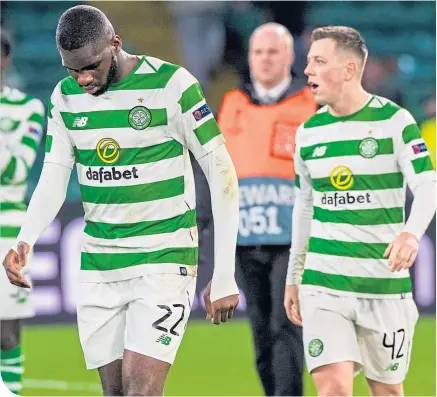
(93, 69)
(269, 58)
(326, 71)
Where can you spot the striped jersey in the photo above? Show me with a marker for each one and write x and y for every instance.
(131, 148)
(21, 128)
(356, 168)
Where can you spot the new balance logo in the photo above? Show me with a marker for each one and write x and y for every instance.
(164, 340)
(80, 121)
(393, 367)
(319, 151)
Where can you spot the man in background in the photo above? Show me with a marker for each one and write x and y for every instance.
(21, 126)
(259, 121)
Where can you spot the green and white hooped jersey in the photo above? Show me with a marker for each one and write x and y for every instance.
(355, 169)
(21, 129)
(130, 146)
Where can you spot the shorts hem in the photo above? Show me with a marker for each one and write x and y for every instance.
(335, 361)
(381, 380)
(17, 317)
(90, 366)
(150, 355)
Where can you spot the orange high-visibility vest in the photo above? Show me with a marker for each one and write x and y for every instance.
(260, 140)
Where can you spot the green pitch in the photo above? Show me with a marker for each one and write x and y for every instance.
(212, 360)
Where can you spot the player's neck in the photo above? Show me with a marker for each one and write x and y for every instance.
(127, 63)
(351, 102)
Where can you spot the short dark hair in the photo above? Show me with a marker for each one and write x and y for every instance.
(6, 46)
(345, 37)
(82, 25)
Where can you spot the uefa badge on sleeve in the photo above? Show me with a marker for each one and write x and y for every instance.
(140, 117)
(368, 148)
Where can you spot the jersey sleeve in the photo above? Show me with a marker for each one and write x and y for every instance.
(59, 147)
(196, 126)
(411, 152)
(302, 217)
(20, 158)
(304, 184)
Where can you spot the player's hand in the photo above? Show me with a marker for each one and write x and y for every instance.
(403, 252)
(220, 310)
(14, 262)
(292, 304)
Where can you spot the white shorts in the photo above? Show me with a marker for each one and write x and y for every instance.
(147, 315)
(15, 302)
(376, 334)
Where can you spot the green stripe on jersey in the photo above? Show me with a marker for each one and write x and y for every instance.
(207, 131)
(410, 133)
(393, 180)
(297, 181)
(140, 81)
(50, 107)
(49, 143)
(366, 285)
(36, 118)
(102, 262)
(8, 174)
(422, 164)
(343, 148)
(112, 231)
(380, 216)
(190, 97)
(11, 206)
(130, 156)
(367, 113)
(9, 231)
(20, 102)
(30, 143)
(346, 248)
(109, 119)
(133, 194)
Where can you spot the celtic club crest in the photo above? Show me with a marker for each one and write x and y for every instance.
(139, 117)
(315, 347)
(368, 148)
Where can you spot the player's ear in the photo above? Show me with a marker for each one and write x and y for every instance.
(351, 70)
(116, 43)
(291, 57)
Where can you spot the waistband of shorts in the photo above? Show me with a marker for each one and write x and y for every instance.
(108, 276)
(308, 289)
